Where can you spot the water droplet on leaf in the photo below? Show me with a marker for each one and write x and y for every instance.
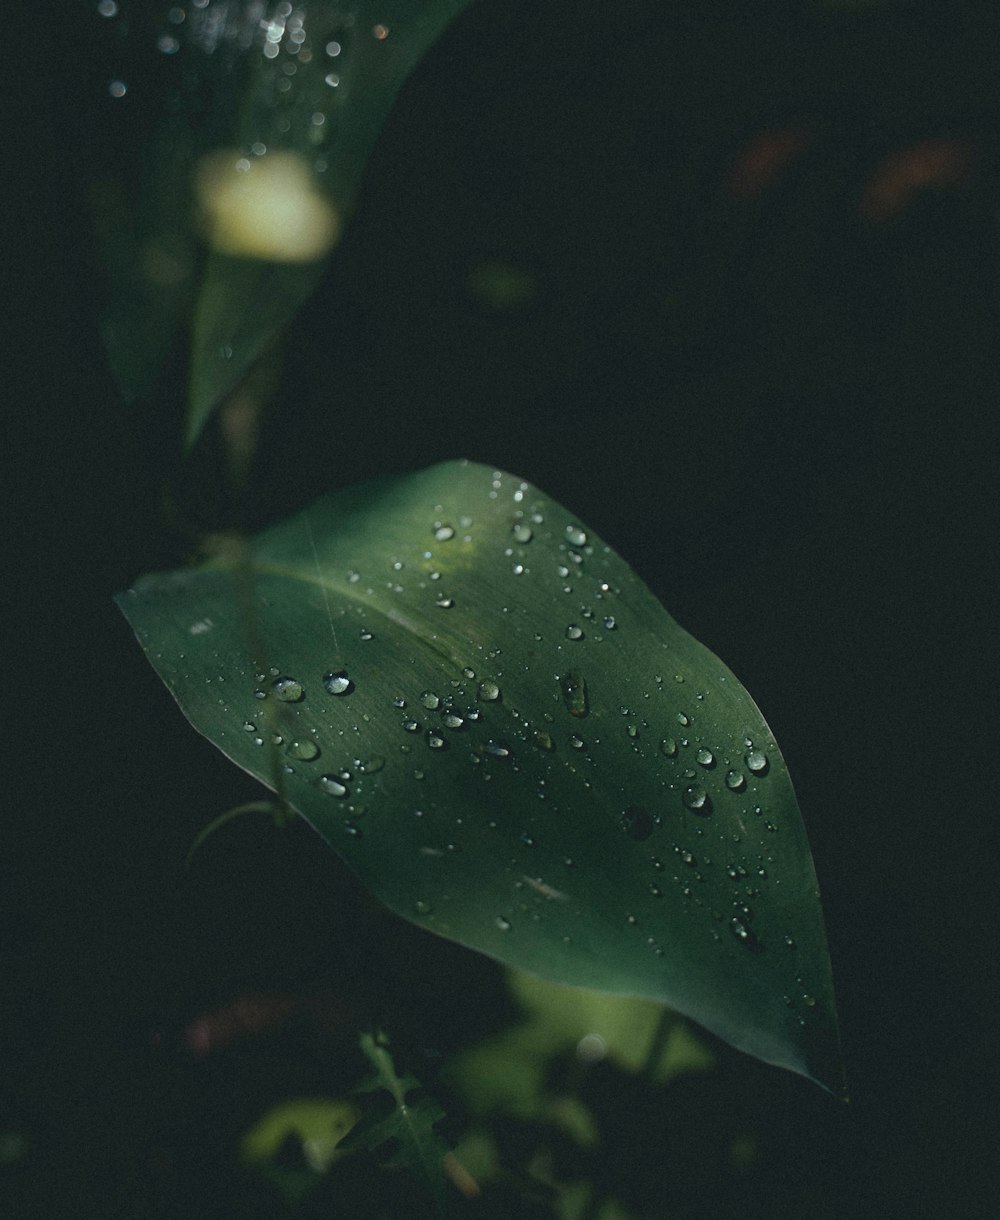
(337, 683)
(574, 694)
(636, 823)
(756, 762)
(331, 785)
(696, 799)
(304, 749)
(287, 690)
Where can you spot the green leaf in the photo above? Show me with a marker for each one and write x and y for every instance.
(495, 723)
(251, 180)
(404, 1138)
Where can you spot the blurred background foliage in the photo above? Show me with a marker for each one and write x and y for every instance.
(723, 279)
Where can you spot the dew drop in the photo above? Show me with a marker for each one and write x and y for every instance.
(502, 924)
(430, 700)
(543, 740)
(735, 781)
(353, 829)
(669, 747)
(636, 823)
(368, 766)
(574, 632)
(422, 908)
(337, 683)
(706, 758)
(697, 799)
(609, 623)
(577, 743)
(790, 942)
(287, 690)
(249, 726)
(573, 688)
(499, 749)
(488, 692)
(366, 634)
(683, 720)
(435, 740)
(809, 1001)
(411, 726)
(655, 890)
(756, 762)
(452, 720)
(522, 533)
(443, 533)
(303, 748)
(740, 930)
(575, 536)
(332, 786)
(446, 603)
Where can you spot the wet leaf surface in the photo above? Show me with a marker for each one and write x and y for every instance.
(497, 725)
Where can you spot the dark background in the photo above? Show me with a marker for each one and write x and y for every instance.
(770, 384)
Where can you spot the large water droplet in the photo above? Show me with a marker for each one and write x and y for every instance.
(696, 799)
(682, 719)
(706, 758)
(503, 924)
(443, 533)
(331, 785)
(435, 740)
(287, 690)
(636, 823)
(499, 749)
(337, 683)
(575, 536)
(522, 533)
(669, 747)
(735, 781)
(303, 748)
(577, 742)
(452, 720)
(574, 694)
(756, 762)
(574, 632)
(411, 726)
(445, 603)
(430, 700)
(488, 692)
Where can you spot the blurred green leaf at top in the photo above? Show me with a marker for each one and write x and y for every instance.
(225, 223)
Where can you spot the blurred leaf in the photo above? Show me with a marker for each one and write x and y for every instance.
(495, 723)
(320, 1124)
(272, 114)
(403, 1138)
(314, 1126)
(508, 1072)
